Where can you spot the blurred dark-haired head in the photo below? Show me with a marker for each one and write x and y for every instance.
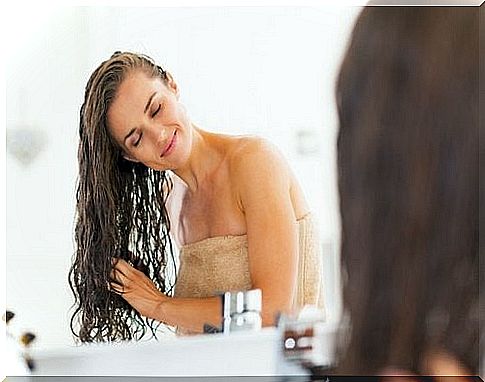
(408, 147)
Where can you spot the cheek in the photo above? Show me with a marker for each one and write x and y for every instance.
(186, 146)
(179, 113)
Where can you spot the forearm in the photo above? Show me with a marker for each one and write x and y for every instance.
(273, 307)
(190, 313)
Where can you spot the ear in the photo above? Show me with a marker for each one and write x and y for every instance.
(172, 85)
(128, 157)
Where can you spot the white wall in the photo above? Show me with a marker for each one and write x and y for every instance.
(262, 70)
(44, 83)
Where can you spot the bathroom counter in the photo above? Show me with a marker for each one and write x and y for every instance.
(237, 354)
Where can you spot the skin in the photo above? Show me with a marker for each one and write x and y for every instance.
(227, 185)
(438, 363)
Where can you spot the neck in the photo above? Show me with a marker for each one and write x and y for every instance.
(205, 157)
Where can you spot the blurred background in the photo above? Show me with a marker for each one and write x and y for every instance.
(268, 71)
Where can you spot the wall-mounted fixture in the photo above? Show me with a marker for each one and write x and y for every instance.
(25, 143)
(307, 142)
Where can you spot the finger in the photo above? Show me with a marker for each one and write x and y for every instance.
(121, 266)
(115, 287)
(124, 267)
(120, 263)
(118, 276)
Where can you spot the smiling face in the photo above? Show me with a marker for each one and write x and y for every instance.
(148, 123)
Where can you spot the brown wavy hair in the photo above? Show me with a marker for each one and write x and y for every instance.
(408, 171)
(120, 213)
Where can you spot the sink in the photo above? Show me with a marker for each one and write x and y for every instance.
(237, 354)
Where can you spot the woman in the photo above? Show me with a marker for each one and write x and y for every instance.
(231, 203)
(408, 148)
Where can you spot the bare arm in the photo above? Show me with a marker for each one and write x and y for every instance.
(264, 184)
(140, 292)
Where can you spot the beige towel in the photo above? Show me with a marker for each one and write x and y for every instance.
(220, 264)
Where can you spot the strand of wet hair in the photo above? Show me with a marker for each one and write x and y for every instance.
(103, 315)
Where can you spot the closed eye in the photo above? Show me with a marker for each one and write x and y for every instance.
(156, 111)
(138, 140)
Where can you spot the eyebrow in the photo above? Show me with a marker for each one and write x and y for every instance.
(144, 111)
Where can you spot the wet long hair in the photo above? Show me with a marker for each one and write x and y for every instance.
(120, 213)
(408, 148)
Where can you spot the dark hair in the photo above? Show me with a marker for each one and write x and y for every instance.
(120, 213)
(407, 96)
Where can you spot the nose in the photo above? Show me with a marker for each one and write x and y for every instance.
(162, 136)
(157, 132)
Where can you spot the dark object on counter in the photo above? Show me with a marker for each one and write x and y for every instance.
(211, 329)
(8, 316)
(27, 338)
(307, 339)
(30, 363)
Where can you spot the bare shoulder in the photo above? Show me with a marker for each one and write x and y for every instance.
(249, 150)
(258, 159)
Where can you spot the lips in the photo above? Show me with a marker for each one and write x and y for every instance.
(170, 145)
